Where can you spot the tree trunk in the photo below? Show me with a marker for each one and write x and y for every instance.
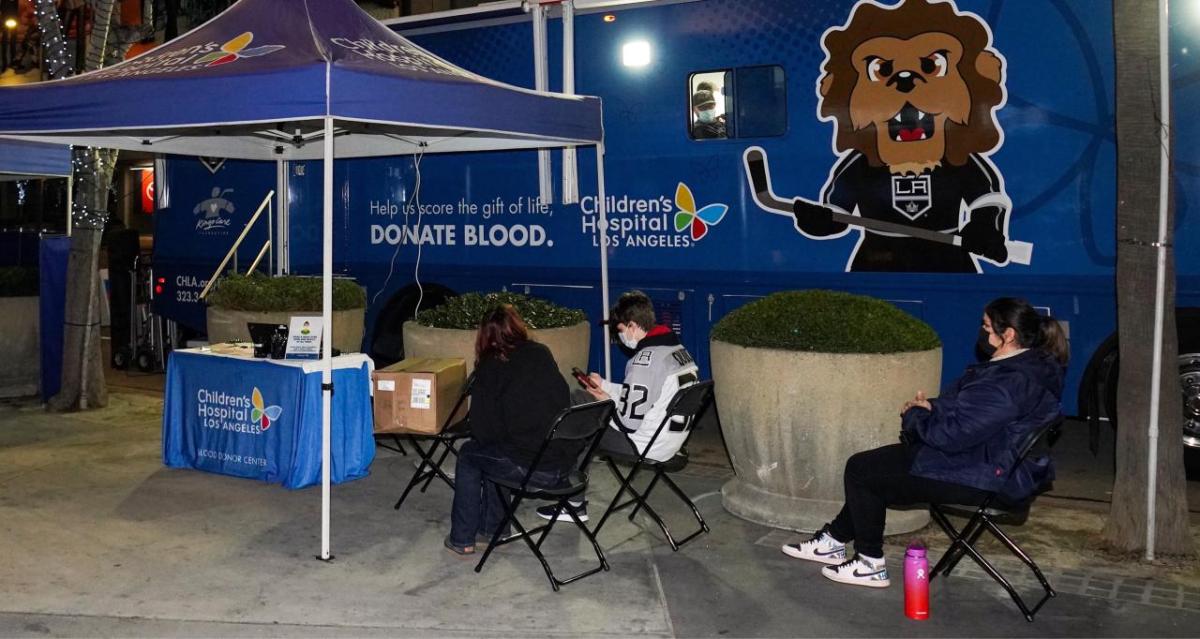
(83, 383)
(54, 42)
(171, 30)
(1139, 138)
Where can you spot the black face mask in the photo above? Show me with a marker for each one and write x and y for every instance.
(982, 346)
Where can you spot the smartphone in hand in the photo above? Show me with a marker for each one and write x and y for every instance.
(582, 377)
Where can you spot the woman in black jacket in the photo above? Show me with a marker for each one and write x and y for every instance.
(956, 448)
(517, 393)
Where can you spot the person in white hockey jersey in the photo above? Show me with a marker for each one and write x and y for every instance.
(658, 366)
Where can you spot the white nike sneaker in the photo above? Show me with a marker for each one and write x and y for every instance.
(859, 571)
(822, 548)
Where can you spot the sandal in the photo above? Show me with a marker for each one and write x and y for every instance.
(461, 551)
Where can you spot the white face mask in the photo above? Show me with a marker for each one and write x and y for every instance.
(628, 341)
(707, 115)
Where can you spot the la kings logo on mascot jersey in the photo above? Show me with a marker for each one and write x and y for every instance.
(912, 90)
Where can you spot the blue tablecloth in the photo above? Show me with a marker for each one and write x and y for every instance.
(261, 418)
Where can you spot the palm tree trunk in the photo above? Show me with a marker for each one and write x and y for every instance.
(1139, 139)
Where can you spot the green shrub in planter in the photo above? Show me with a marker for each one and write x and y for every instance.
(259, 293)
(18, 281)
(825, 322)
(465, 311)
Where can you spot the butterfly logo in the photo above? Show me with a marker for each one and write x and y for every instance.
(236, 49)
(688, 216)
(261, 414)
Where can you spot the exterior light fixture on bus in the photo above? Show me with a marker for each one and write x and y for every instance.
(635, 53)
(10, 23)
(610, 18)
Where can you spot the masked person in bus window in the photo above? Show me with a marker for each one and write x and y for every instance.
(658, 367)
(706, 124)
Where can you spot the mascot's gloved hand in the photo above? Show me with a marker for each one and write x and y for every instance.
(983, 235)
(814, 219)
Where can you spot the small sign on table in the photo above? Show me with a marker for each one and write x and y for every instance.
(304, 337)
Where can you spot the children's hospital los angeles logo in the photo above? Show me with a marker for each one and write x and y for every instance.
(235, 49)
(689, 219)
(261, 413)
(189, 58)
(236, 413)
(661, 222)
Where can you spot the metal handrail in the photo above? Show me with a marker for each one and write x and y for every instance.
(217, 273)
(261, 253)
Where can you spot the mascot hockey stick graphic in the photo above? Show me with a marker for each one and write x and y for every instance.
(759, 176)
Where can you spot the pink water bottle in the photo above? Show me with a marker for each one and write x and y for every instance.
(916, 582)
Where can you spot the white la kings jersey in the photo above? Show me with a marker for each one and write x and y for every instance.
(659, 368)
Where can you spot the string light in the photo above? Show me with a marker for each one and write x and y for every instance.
(89, 164)
(54, 45)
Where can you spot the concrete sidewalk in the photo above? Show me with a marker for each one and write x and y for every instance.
(99, 539)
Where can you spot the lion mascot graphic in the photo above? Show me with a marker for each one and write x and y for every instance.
(912, 90)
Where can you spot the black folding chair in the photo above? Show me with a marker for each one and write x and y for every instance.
(442, 443)
(395, 445)
(985, 517)
(682, 415)
(583, 425)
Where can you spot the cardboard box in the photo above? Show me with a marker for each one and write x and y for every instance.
(416, 395)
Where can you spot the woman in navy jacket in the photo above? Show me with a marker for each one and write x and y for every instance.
(956, 448)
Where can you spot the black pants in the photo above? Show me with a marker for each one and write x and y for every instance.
(613, 440)
(879, 478)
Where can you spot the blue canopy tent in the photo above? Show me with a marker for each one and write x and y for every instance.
(25, 160)
(300, 79)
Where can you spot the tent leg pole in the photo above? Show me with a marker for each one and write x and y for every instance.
(1164, 197)
(602, 207)
(327, 336)
(71, 200)
(279, 249)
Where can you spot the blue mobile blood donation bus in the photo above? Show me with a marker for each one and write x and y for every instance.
(990, 119)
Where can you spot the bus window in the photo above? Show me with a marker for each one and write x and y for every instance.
(761, 102)
(747, 102)
(707, 105)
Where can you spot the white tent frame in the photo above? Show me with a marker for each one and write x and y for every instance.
(260, 140)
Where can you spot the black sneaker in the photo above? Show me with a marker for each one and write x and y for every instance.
(548, 512)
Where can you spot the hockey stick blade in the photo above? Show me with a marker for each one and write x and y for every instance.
(759, 176)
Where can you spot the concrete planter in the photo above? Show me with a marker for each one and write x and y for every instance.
(569, 344)
(791, 419)
(20, 349)
(225, 325)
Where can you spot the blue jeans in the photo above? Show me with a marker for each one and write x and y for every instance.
(477, 507)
